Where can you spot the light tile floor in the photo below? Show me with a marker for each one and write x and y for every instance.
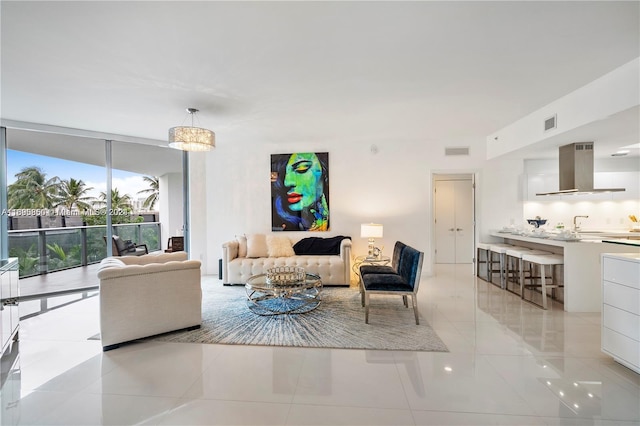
(510, 363)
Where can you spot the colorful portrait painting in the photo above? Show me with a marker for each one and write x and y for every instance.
(300, 191)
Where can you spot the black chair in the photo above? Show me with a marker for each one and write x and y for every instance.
(404, 281)
(381, 269)
(175, 244)
(119, 247)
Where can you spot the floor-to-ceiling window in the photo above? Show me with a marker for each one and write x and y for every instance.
(59, 197)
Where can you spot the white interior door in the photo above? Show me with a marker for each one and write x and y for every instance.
(445, 222)
(464, 221)
(454, 221)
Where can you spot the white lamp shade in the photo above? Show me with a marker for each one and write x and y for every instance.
(191, 138)
(371, 230)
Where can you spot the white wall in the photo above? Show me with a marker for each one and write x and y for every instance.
(171, 203)
(500, 200)
(391, 186)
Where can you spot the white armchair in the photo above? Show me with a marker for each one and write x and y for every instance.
(148, 295)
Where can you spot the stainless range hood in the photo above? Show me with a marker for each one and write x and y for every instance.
(576, 171)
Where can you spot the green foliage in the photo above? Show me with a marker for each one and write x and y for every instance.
(32, 190)
(152, 193)
(116, 219)
(58, 251)
(73, 194)
(150, 237)
(59, 259)
(27, 259)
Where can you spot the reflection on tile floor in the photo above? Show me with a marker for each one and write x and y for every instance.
(510, 363)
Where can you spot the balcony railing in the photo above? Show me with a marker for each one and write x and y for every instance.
(44, 250)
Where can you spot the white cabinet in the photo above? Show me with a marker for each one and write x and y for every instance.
(621, 308)
(540, 183)
(535, 183)
(9, 315)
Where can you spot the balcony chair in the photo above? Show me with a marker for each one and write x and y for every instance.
(175, 244)
(119, 247)
(404, 282)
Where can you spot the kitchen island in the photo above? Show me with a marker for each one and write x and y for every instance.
(582, 270)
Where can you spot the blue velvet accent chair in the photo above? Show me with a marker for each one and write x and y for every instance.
(383, 269)
(404, 281)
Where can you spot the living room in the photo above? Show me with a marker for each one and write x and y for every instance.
(385, 89)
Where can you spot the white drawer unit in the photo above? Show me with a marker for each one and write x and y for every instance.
(621, 308)
(621, 269)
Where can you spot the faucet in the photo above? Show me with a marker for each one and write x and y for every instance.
(575, 224)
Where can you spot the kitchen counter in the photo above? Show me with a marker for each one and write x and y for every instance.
(633, 243)
(582, 258)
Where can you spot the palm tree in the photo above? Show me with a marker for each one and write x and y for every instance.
(32, 190)
(73, 194)
(153, 191)
(118, 202)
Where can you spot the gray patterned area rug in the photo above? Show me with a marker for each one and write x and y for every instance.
(337, 323)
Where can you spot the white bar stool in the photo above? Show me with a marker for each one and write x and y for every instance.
(515, 271)
(542, 261)
(500, 250)
(480, 249)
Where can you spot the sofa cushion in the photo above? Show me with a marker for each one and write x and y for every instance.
(111, 262)
(376, 269)
(385, 282)
(317, 245)
(242, 245)
(257, 245)
(278, 246)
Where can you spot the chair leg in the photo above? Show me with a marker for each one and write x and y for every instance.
(404, 300)
(415, 308)
(543, 286)
(503, 284)
(521, 270)
(366, 308)
(553, 282)
(361, 294)
(489, 266)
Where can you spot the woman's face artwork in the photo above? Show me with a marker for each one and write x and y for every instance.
(303, 177)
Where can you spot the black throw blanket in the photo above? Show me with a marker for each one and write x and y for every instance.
(317, 245)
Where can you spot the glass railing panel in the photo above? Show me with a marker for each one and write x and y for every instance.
(151, 235)
(96, 244)
(24, 246)
(64, 248)
(126, 232)
(47, 250)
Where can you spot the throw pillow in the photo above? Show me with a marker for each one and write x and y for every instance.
(129, 246)
(242, 245)
(257, 245)
(278, 246)
(110, 262)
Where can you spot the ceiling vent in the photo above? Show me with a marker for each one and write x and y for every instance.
(550, 123)
(457, 151)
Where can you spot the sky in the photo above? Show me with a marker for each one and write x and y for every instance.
(93, 176)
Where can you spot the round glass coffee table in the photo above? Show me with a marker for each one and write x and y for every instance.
(266, 298)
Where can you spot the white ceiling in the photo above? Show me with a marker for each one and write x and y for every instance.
(267, 72)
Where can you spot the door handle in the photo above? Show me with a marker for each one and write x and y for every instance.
(458, 229)
(451, 229)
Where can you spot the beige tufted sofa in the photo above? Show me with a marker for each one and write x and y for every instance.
(142, 296)
(332, 269)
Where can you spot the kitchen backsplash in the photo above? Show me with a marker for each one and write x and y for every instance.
(608, 215)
